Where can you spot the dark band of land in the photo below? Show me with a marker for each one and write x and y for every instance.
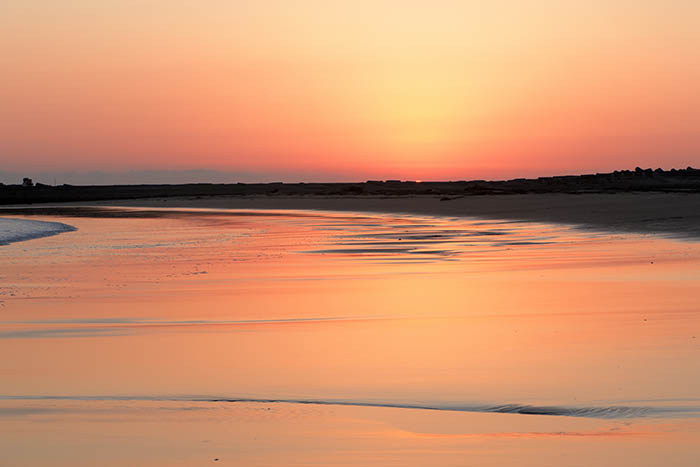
(647, 201)
(641, 180)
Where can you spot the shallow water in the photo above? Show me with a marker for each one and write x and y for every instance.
(523, 339)
(18, 230)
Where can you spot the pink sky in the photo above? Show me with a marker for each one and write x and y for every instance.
(349, 90)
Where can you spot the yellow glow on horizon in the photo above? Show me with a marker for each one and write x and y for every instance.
(378, 89)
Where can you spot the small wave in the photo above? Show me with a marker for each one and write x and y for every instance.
(19, 230)
(584, 412)
(599, 412)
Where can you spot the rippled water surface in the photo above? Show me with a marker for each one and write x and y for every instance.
(390, 339)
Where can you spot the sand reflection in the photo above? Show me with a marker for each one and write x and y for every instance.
(353, 314)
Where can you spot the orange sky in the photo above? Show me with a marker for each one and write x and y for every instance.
(365, 89)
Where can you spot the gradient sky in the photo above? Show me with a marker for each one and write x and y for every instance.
(349, 90)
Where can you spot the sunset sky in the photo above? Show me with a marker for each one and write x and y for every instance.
(349, 90)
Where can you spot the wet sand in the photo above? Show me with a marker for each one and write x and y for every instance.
(165, 337)
(673, 214)
(160, 434)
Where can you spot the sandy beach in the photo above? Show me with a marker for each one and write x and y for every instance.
(674, 214)
(350, 234)
(345, 338)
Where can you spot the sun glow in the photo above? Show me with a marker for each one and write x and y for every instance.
(366, 90)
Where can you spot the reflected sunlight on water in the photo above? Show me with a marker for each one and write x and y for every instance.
(351, 311)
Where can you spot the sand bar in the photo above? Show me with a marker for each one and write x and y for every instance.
(673, 214)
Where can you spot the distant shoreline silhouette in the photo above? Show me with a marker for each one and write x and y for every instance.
(643, 180)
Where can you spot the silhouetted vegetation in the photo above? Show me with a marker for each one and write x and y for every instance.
(645, 180)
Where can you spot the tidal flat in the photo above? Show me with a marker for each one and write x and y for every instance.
(177, 336)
